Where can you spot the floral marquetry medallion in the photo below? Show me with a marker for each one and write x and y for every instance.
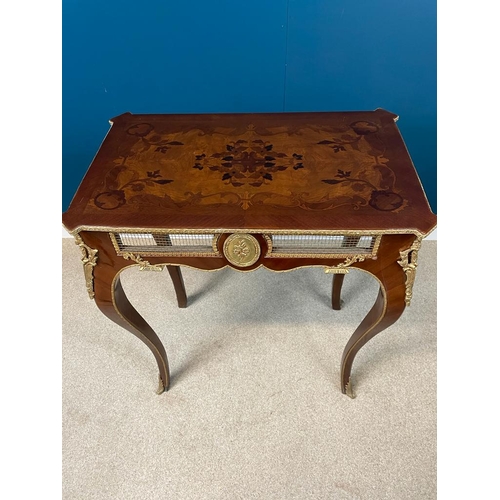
(248, 163)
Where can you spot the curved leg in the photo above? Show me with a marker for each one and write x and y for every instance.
(180, 290)
(338, 279)
(112, 301)
(388, 307)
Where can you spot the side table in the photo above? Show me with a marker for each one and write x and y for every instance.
(278, 190)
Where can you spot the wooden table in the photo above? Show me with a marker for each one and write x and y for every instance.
(282, 191)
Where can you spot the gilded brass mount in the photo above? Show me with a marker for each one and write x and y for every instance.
(144, 265)
(342, 267)
(241, 250)
(89, 260)
(409, 263)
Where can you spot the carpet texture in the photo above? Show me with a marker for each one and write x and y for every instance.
(255, 409)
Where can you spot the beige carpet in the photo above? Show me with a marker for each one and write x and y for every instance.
(255, 410)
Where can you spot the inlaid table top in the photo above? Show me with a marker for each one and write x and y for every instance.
(301, 171)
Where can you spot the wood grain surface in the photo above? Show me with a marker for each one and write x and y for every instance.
(311, 171)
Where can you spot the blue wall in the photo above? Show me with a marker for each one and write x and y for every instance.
(247, 56)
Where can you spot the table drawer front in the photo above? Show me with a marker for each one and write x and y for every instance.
(279, 245)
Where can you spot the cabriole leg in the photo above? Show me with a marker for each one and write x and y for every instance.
(338, 280)
(388, 307)
(180, 289)
(102, 274)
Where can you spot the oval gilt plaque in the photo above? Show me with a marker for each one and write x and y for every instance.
(241, 250)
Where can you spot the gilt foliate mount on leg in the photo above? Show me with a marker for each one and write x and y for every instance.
(89, 261)
(409, 262)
